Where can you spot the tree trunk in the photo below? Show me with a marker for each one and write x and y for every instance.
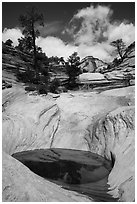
(119, 52)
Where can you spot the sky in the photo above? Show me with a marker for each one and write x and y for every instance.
(85, 27)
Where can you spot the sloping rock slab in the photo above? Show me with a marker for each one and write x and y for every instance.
(116, 131)
(91, 76)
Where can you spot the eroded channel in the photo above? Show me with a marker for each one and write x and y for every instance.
(76, 170)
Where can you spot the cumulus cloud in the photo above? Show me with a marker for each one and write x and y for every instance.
(99, 50)
(13, 34)
(124, 31)
(94, 24)
(93, 31)
(54, 46)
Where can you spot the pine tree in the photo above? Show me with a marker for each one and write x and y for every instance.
(120, 47)
(72, 68)
(29, 22)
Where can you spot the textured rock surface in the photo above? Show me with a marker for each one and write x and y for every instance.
(124, 69)
(91, 64)
(113, 136)
(29, 121)
(115, 75)
(12, 61)
(101, 123)
(91, 77)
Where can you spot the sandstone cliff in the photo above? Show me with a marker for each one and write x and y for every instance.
(91, 64)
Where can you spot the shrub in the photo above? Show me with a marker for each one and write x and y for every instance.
(54, 85)
(42, 88)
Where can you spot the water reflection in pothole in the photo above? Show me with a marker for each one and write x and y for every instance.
(76, 170)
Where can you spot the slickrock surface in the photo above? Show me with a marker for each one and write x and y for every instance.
(101, 123)
(113, 136)
(29, 121)
(91, 77)
(92, 64)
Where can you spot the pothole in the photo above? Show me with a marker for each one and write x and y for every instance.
(76, 170)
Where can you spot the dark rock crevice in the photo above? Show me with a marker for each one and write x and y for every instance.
(112, 159)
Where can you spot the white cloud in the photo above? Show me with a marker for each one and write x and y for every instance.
(100, 50)
(13, 34)
(53, 46)
(124, 31)
(94, 24)
(94, 12)
(93, 31)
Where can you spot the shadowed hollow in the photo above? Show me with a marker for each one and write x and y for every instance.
(81, 171)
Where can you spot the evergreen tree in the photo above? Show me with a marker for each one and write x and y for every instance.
(29, 22)
(120, 47)
(72, 68)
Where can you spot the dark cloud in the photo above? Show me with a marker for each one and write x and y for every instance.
(51, 28)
